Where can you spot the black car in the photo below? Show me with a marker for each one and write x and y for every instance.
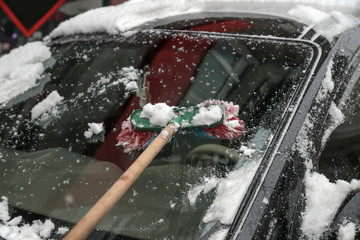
(55, 166)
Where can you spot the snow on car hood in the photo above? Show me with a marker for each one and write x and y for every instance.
(20, 69)
(328, 17)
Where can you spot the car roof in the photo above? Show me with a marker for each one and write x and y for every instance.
(210, 22)
(140, 14)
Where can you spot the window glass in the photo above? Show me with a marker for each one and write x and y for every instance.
(341, 157)
(51, 165)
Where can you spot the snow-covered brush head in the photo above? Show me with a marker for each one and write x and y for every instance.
(231, 127)
(212, 118)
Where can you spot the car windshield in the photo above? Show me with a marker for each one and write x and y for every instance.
(54, 163)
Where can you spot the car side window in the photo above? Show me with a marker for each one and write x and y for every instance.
(340, 158)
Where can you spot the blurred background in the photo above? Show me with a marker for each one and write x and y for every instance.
(11, 36)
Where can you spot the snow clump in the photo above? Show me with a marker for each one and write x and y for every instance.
(20, 69)
(4, 210)
(208, 116)
(159, 114)
(62, 230)
(220, 234)
(46, 105)
(15, 230)
(230, 192)
(347, 231)
(246, 150)
(94, 128)
(337, 118)
(323, 198)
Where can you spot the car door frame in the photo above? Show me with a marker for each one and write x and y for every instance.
(283, 183)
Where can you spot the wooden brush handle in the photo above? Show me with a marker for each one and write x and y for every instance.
(86, 225)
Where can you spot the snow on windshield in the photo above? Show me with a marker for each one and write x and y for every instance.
(221, 234)
(46, 105)
(229, 192)
(94, 128)
(14, 229)
(20, 69)
(126, 76)
(329, 17)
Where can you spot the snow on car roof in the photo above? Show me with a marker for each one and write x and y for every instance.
(328, 17)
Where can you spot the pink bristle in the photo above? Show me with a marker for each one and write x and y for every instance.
(231, 127)
(226, 130)
(131, 139)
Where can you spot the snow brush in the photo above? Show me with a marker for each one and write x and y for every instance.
(212, 118)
